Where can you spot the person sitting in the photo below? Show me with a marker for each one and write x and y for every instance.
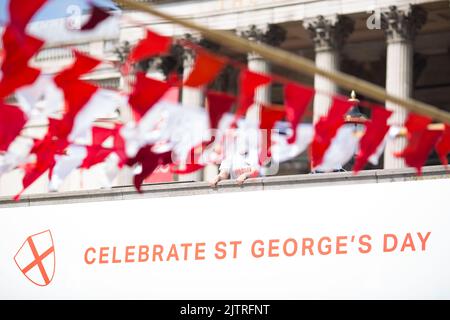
(238, 164)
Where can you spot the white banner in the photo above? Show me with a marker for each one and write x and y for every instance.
(377, 241)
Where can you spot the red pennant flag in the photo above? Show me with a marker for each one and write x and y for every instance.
(99, 135)
(97, 16)
(18, 50)
(443, 145)
(153, 44)
(76, 94)
(269, 115)
(416, 123)
(10, 83)
(296, 99)
(146, 93)
(82, 65)
(95, 155)
(218, 104)
(45, 151)
(421, 141)
(376, 130)
(326, 128)
(249, 81)
(206, 68)
(149, 162)
(12, 121)
(20, 14)
(419, 148)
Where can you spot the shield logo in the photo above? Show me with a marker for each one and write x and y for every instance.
(36, 258)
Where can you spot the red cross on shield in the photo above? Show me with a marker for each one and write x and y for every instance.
(36, 258)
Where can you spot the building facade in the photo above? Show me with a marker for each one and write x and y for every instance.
(401, 45)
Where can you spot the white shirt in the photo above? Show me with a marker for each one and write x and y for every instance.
(237, 164)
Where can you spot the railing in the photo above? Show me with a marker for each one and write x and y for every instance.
(197, 188)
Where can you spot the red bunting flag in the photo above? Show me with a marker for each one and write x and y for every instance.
(45, 151)
(296, 99)
(97, 16)
(421, 141)
(153, 44)
(9, 84)
(12, 121)
(20, 14)
(206, 68)
(326, 128)
(81, 65)
(269, 116)
(84, 101)
(218, 104)
(149, 162)
(146, 93)
(376, 130)
(95, 155)
(249, 82)
(100, 134)
(77, 94)
(443, 145)
(18, 50)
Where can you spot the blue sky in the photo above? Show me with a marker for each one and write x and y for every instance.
(53, 9)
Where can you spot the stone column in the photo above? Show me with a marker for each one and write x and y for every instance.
(329, 35)
(270, 34)
(401, 26)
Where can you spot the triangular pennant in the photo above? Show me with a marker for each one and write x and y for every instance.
(10, 83)
(249, 81)
(206, 67)
(153, 44)
(421, 141)
(12, 121)
(97, 16)
(18, 50)
(296, 99)
(146, 93)
(100, 134)
(218, 104)
(77, 94)
(95, 155)
(81, 65)
(376, 130)
(326, 128)
(45, 151)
